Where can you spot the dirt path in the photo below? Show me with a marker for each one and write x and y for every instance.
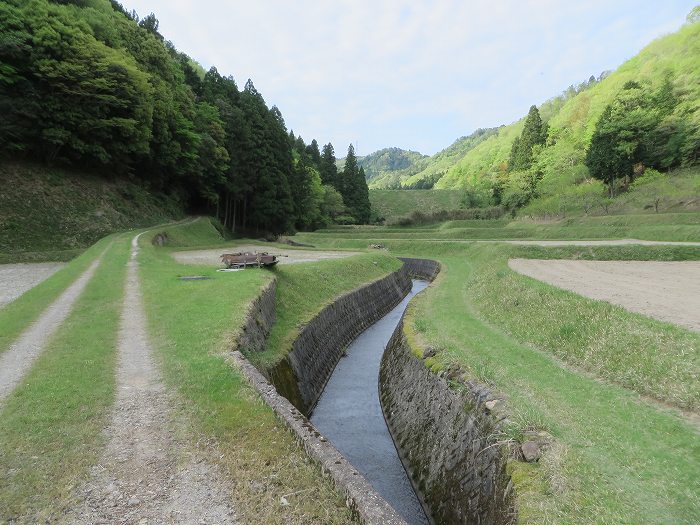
(149, 472)
(15, 279)
(18, 359)
(212, 257)
(669, 291)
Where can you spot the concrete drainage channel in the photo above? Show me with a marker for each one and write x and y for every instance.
(443, 436)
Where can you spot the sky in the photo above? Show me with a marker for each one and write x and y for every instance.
(411, 74)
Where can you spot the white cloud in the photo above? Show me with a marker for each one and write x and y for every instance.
(380, 71)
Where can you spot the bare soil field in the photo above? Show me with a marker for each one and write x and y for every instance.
(213, 257)
(668, 291)
(15, 279)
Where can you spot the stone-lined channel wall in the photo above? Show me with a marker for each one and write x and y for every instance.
(360, 496)
(303, 374)
(261, 316)
(445, 434)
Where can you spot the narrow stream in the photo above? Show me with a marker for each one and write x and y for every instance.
(348, 413)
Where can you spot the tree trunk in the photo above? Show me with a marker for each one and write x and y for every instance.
(226, 211)
(233, 221)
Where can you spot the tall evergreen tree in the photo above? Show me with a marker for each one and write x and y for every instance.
(534, 133)
(353, 188)
(314, 153)
(328, 169)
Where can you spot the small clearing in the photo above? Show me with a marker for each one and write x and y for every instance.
(15, 279)
(18, 359)
(668, 291)
(213, 257)
(150, 472)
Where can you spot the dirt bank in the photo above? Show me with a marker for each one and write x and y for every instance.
(15, 279)
(669, 291)
(212, 257)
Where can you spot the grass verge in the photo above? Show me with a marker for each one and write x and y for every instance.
(51, 425)
(192, 324)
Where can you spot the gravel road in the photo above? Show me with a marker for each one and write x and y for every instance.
(150, 473)
(669, 291)
(213, 257)
(15, 279)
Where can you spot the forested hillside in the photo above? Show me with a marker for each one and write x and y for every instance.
(386, 162)
(88, 85)
(643, 119)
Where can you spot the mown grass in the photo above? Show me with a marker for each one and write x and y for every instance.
(581, 370)
(193, 324)
(304, 289)
(16, 316)
(51, 425)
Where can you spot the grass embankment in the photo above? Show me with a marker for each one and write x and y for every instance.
(579, 369)
(394, 204)
(51, 425)
(16, 316)
(671, 227)
(52, 214)
(303, 290)
(193, 323)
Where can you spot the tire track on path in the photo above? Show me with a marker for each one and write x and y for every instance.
(149, 472)
(19, 358)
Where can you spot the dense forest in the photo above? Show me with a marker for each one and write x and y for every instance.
(615, 131)
(85, 83)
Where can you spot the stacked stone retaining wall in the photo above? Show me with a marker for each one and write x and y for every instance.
(446, 436)
(303, 374)
(261, 317)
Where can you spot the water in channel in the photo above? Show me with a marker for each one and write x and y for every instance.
(350, 416)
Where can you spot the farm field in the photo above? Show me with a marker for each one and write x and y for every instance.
(616, 390)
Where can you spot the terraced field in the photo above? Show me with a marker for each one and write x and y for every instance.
(617, 391)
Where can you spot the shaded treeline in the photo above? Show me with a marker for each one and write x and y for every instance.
(86, 83)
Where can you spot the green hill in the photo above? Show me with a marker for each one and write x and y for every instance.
(387, 163)
(560, 163)
(559, 181)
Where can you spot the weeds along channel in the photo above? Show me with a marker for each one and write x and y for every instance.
(617, 391)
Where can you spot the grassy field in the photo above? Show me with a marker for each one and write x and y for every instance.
(651, 227)
(51, 425)
(393, 204)
(616, 390)
(193, 323)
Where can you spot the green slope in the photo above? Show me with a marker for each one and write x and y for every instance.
(676, 56)
(53, 214)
